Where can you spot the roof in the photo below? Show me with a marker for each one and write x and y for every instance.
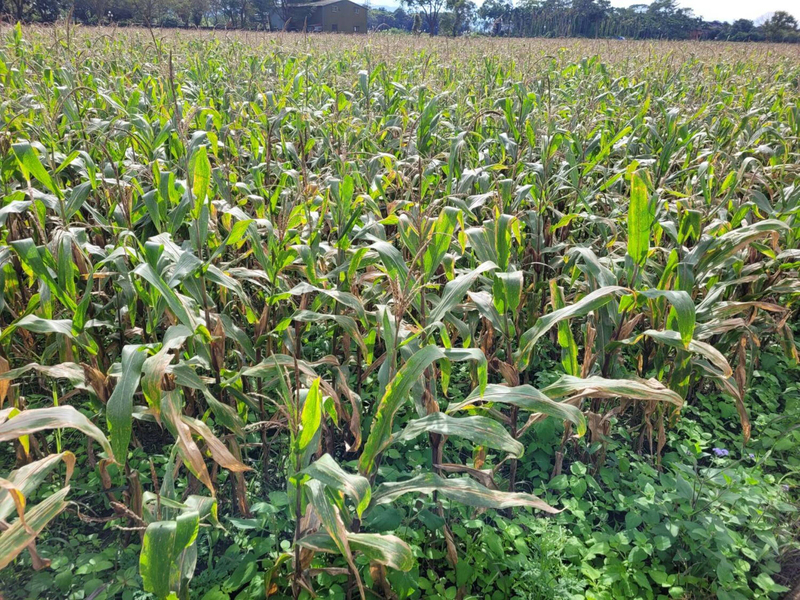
(319, 3)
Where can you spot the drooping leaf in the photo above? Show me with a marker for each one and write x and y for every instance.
(332, 522)
(32, 166)
(175, 303)
(600, 387)
(219, 452)
(348, 324)
(171, 408)
(385, 549)
(526, 397)
(328, 471)
(672, 338)
(15, 539)
(57, 417)
(463, 490)
(684, 311)
(455, 291)
(482, 431)
(28, 478)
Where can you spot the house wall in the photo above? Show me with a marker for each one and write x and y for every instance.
(314, 18)
(344, 20)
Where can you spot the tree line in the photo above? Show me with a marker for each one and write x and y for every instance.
(662, 19)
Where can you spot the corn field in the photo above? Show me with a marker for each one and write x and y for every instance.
(287, 286)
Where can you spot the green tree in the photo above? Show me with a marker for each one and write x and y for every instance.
(262, 11)
(781, 27)
(430, 11)
(191, 12)
(587, 15)
(462, 12)
(19, 9)
(492, 13)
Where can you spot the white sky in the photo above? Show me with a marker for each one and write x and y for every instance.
(730, 10)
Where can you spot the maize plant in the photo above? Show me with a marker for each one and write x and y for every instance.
(233, 266)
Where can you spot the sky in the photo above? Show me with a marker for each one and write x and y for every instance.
(710, 10)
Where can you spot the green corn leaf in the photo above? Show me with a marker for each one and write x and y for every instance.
(640, 220)
(526, 397)
(487, 307)
(440, 239)
(187, 526)
(311, 416)
(328, 471)
(569, 349)
(175, 303)
(119, 409)
(57, 417)
(507, 291)
(392, 260)
(35, 258)
(238, 231)
(455, 291)
(584, 306)
(393, 398)
(155, 559)
(201, 172)
(397, 392)
(464, 490)
(690, 225)
(385, 549)
(332, 522)
(482, 431)
(682, 314)
(168, 556)
(32, 166)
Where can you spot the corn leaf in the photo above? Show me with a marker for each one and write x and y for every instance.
(600, 387)
(328, 471)
(119, 409)
(385, 549)
(526, 397)
(482, 431)
(462, 490)
(57, 417)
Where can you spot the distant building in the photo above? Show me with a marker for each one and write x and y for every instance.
(330, 16)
